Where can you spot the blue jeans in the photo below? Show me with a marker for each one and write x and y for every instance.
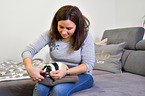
(65, 89)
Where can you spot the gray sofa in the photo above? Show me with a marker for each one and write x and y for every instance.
(131, 82)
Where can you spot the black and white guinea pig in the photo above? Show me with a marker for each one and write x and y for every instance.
(53, 67)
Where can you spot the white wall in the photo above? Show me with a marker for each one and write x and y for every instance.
(22, 21)
(129, 12)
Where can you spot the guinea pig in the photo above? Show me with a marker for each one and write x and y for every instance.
(52, 67)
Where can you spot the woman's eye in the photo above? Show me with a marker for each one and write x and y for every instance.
(68, 28)
(61, 27)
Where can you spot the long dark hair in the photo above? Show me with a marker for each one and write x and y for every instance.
(74, 14)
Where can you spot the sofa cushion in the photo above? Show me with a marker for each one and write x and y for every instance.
(17, 88)
(135, 62)
(140, 45)
(130, 35)
(120, 84)
(99, 72)
(125, 56)
(107, 57)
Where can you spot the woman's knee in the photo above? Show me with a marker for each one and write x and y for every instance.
(40, 90)
(86, 80)
(60, 90)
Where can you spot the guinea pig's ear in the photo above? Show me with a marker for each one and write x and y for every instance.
(49, 68)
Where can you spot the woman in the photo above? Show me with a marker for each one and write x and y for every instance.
(71, 43)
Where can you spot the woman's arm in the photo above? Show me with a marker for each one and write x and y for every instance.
(82, 68)
(34, 73)
(88, 53)
(32, 49)
(30, 52)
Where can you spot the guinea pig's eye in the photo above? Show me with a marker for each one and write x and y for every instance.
(49, 67)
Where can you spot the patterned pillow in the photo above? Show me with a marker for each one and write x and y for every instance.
(107, 57)
(12, 70)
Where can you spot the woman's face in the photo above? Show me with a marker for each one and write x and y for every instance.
(66, 28)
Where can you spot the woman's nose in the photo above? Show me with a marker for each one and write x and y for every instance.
(64, 31)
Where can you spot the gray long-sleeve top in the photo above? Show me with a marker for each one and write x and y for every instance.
(62, 52)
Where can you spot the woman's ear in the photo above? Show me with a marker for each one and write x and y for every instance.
(103, 42)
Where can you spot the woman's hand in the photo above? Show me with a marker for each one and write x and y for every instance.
(34, 73)
(58, 74)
